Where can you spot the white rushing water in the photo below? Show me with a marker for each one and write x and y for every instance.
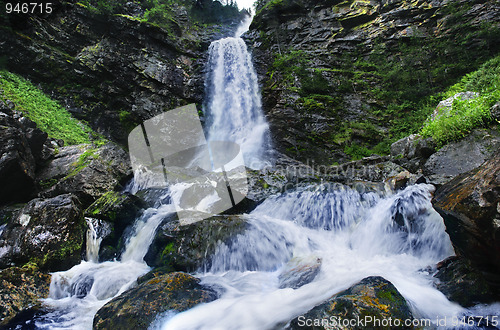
(353, 235)
(77, 294)
(233, 104)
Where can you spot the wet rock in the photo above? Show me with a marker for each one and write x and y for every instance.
(20, 289)
(462, 283)
(85, 171)
(412, 152)
(188, 247)
(299, 271)
(373, 296)
(462, 156)
(118, 210)
(48, 232)
(138, 307)
(470, 207)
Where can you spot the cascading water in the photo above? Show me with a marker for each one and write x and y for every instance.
(77, 294)
(354, 235)
(233, 106)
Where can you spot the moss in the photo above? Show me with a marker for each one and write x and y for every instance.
(83, 161)
(45, 184)
(104, 206)
(49, 115)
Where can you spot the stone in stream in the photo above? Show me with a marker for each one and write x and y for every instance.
(137, 308)
(462, 283)
(373, 296)
(299, 271)
(117, 211)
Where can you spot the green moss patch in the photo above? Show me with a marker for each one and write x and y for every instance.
(49, 115)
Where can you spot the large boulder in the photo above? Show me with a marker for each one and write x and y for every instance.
(138, 307)
(373, 296)
(21, 288)
(470, 207)
(85, 171)
(412, 151)
(48, 232)
(461, 156)
(186, 247)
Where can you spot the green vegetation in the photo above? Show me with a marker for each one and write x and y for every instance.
(83, 161)
(49, 115)
(164, 13)
(466, 115)
(400, 80)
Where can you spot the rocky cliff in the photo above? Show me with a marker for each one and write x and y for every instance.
(112, 71)
(344, 79)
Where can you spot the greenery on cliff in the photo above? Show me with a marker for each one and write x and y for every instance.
(374, 71)
(49, 115)
(466, 115)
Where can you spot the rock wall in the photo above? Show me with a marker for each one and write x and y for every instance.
(343, 79)
(114, 71)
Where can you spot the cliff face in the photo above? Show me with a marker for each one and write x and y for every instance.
(113, 71)
(343, 79)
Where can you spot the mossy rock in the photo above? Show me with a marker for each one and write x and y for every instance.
(373, 297)
(138, 307)
(48, 232)
(186, 247)
(21, 288)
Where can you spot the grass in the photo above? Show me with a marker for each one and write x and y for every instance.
(465, 115)
(49, 115)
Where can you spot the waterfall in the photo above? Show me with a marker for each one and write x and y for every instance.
(353, 235)
(233, 106)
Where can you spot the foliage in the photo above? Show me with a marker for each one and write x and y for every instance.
(466, 115)
(49, 115)
(163, 12)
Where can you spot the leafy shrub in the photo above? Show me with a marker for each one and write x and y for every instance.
(465, 115)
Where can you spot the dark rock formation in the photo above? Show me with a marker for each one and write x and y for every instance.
(138, 307)
(462, 283)
(21, 288)
(373, 296)
(186, 247)
(21, 147)
(47, 232)
(113, 71)
(339, 77)
(85, 171)
(470, 207)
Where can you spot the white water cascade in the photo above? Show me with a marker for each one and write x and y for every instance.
(77, 294)
(354, 235)
(233, 106)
